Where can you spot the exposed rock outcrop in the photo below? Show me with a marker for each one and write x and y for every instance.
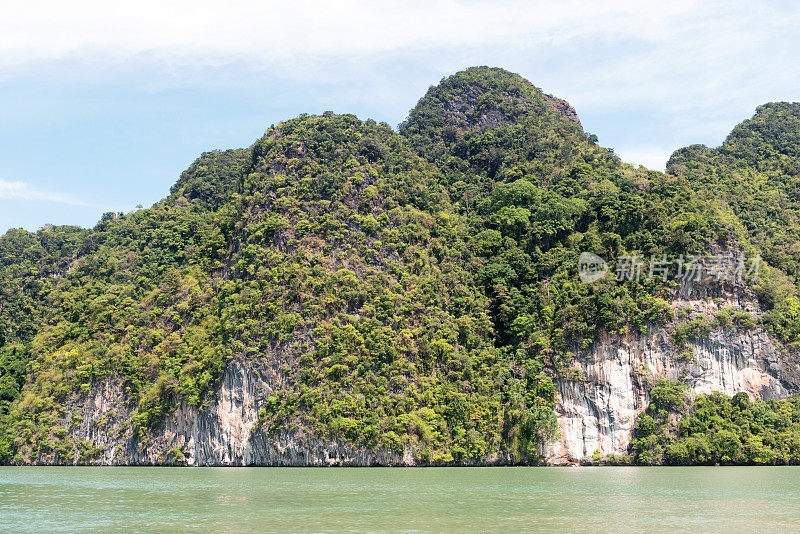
(222, 432)
(461, 111)
(563, 107)
(598, 412)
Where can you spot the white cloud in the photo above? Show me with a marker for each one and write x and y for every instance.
(681, 57)
(47, 29)
(23, 191)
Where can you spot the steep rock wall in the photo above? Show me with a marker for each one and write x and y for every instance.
(222, 432)
(596, 412)
(599, 411)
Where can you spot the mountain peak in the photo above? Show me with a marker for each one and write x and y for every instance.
(769, 140)
(484, 98)
(773, 132)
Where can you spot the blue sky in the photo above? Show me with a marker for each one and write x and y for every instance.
(102, 105)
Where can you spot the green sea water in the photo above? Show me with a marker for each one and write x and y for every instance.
(586, 499)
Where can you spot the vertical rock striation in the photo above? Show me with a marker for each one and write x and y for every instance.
(598, 412)
(222, 432)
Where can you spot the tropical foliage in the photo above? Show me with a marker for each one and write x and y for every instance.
(716, 429)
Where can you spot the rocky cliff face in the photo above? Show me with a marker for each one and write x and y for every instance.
(598, 411)
(563, 107)
(223, 432)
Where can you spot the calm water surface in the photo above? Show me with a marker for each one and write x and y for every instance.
(610, 499)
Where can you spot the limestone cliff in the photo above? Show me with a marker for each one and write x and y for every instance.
(224, 431)
(598, 411)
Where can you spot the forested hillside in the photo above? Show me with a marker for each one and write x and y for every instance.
(756, 173)
(411, 290)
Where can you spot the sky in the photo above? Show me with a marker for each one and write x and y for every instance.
(103, 104)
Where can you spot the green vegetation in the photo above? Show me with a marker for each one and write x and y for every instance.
(715, 429)
(756, 172)
(414, 290)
